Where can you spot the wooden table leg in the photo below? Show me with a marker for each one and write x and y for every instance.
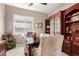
(29, 49)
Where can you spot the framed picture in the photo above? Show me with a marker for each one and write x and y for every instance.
(41, 25)
(36, 25)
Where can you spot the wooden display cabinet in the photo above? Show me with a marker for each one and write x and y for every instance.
(53, 23)
(47, 26)
(70, 30)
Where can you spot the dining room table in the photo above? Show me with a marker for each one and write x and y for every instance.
(32, 46)
(32, 43)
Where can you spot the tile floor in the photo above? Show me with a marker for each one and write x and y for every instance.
(19, 51)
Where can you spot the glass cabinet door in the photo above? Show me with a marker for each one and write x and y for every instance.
(57, 25)
(52, 26)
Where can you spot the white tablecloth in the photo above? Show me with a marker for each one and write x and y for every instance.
(30, 40)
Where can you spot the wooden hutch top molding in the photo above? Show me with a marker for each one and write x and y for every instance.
(71, 9)
(54, 15)
(66, 11)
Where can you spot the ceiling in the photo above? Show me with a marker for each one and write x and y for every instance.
(37, 6)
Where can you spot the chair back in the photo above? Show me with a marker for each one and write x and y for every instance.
(52, 45)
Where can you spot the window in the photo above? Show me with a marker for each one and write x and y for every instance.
(55, 26)
(52, 26)
(22, 24)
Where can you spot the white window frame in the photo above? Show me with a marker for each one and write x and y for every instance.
(24, 19)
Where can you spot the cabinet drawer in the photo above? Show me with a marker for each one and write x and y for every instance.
(67, 47)
(75, 49)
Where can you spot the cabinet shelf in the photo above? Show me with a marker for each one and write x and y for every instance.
(70, 22)
(72, 16)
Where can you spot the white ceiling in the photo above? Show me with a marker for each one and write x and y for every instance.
(37, 6)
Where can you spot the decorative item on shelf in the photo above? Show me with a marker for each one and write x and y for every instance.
(66, 21)
(71, 38)
(74, 18)
(68, 37)
(68, 15)
(67, 29)
(48, 26)
(70, 31)
(78, 17)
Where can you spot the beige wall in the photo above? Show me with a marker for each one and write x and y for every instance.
(10, 11)
(2, 11)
